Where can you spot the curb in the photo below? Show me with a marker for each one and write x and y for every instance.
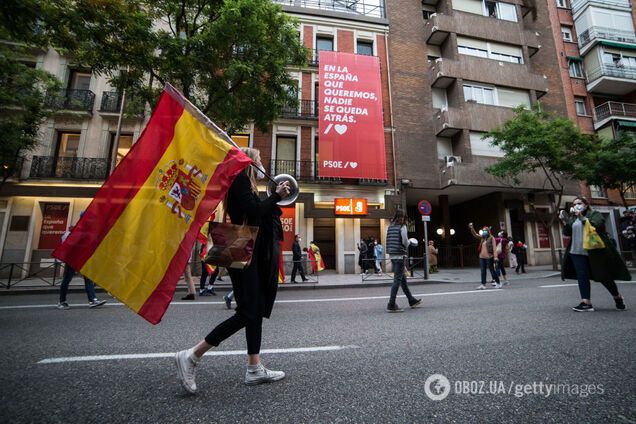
(281, 287)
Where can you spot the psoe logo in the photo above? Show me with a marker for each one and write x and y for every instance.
(437, 387)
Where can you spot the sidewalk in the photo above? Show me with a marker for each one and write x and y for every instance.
(326, 280)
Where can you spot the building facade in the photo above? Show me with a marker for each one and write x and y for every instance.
(596, 46)
(76, 152)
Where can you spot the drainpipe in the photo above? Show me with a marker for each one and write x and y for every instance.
(388, 71)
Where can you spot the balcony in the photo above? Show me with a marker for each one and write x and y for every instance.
(438, 26)
(613, 110)
(595, 33)
(366, 8)
(306, 109)
(471, 116)
(69, 168)
(302, 170)
(579, 5)
(72, 100)
(449, 122)
(111, 104)
(611, 79)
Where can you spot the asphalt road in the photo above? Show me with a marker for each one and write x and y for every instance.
(513, 342)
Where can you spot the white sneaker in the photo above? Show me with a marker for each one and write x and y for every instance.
(262, 375)
(95, 303)
(481, 287)
(186, 370)
(498, 285)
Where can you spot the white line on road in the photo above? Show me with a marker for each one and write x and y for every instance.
(171, 354)
(576, 284)
(330, 299)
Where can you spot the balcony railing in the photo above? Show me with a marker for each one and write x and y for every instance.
(77, 100)
(605, 33)
(370, 8)
(314, 57)
(306, 109)
(615, 71)
(580, 4)
(69, 168)
(111, 103)
(606, 110)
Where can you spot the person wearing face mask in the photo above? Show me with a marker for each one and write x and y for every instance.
(487, 257)
(604, 265)
(297, 257)
(255, 286)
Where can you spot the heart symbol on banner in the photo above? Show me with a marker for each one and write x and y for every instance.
(353, 165)
(340, 129)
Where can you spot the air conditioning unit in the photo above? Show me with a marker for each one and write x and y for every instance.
(452, 160)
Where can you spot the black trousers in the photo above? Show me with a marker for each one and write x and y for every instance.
(249, 311)
(298, 266)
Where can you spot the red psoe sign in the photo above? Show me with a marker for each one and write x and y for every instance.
(350, 122)
(350, 206)
(288, 220)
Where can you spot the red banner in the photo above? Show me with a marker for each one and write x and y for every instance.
(351, 129)
(288, 219)
(54, 220)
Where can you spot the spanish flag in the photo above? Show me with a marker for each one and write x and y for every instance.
(136, 236)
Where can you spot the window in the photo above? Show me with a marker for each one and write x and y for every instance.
(479, 94)
(580, 107)
(562, 3)
(124, 145)
(483, 147)
(324, 43)
(631, 193)
(365, 48)
(285, 155)
(426, 14)
(79, 81)
(505, 11)
(576, 69)
(490, 50)
(566, 33)
(68, 145)
(597, 192)
(472, 51)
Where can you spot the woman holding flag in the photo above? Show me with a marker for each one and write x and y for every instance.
(254, 286)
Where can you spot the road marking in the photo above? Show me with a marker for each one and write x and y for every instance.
(171, 354)
(576, 284)
(330, 299)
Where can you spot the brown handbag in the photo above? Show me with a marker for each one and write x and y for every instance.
(232, 245)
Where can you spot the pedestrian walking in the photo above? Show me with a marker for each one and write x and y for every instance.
(602, 263)
(371, 255)
(397, 243)
(362, 258)
(520, 253)
(68, 275)
(487, 257)
(254, 286)
(297, 257)
(432, 257)
(187, 276)
(379, 256)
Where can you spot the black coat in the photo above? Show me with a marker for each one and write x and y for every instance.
(605, 264)
(296, 252)
(244, 204)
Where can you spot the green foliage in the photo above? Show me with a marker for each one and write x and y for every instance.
(535, 141)
(612, 163)
(23, 99)
(228, 57)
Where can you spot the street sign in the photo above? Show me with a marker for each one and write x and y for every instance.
(424, 207)
(426, 218)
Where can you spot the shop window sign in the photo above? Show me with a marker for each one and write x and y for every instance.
(348, 206)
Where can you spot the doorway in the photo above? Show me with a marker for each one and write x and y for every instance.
(325, 238)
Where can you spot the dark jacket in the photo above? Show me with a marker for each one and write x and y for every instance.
(520, 253)
(605, 264)
(296, 252)
(244, 204)
(362, 247)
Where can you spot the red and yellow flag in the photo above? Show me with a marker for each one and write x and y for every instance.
(135, 238)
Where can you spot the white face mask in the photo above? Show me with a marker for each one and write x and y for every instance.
(259, 174)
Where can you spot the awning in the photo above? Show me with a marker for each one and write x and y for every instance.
(619, 45)
(627, 123)
(575, 58)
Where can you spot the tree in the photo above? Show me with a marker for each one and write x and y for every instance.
(612, 164)
(23, 96)
(535, 141)
(230, 57)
